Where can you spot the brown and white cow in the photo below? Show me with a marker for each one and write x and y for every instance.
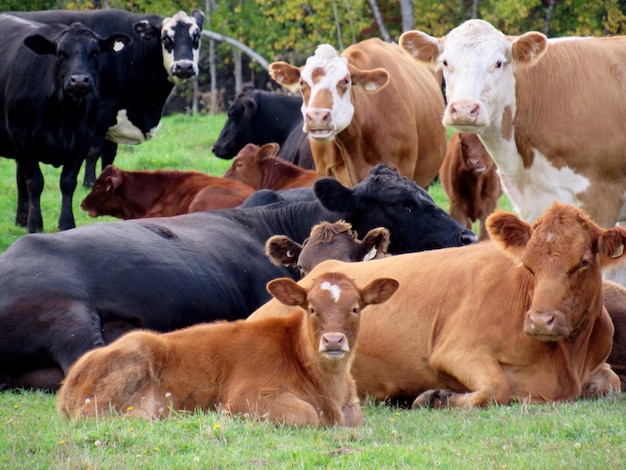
(371, 104)
(328, 240)
(290, 370)
(470, 178)
(517, 318)
(260, 168)
(160, 193)
(550, 112)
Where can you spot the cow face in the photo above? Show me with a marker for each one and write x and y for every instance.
(325, 83)
(104, 197)
(333, 305)
(564, 252)
(245, 166)
(478, 63)
(475, 157)
(77, 50)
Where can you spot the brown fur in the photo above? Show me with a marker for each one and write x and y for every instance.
(290, 370)
(615, 303)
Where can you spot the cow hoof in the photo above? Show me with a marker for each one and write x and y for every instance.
(433, 399)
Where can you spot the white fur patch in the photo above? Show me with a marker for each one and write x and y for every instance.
(125, 132)
(370, 254)
(334, 289)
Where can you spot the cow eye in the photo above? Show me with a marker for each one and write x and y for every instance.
(311, 311)
(444, 62)
(355, 310)
(167, 42)
(62, 55)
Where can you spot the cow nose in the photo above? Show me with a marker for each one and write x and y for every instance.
(183, 69)
(318, 117)
(334, 342)
(467, 237)
(544, 325)
(463, 112)
(79, 84)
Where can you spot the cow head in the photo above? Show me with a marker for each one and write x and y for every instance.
(180, 41)
(245, 166)
(478, 63)
(325, 82)
(564, 252)
(77, 49)
(475, 157)
(103, 198)
(333, 305)
(327, 241)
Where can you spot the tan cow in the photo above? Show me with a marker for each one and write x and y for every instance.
(371, 104)
(517, 318)
(290, 370)
(550, 112)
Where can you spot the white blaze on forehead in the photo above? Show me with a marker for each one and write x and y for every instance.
(334, 289)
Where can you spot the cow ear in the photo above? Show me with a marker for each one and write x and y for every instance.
(374, 244)
(40, 45)
(285, 74)
(528, 48)
(146, 30)
(333, 195)
(287, 291)
(250, 107)
(267, 151)
(113, 182)
(611, 246)
(509, 232)
(422, 47)
(370, 80)
(379, 290)
(282, 251)
(198, 16)
(115, 43)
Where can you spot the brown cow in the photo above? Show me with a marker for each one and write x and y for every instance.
(260, 168)
(290, 370)
(519, 318)
(160, 193)
(470, 179)
(372, 104)
(327, 241)
(615, 303)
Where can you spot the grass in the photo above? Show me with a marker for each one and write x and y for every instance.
(581, 435)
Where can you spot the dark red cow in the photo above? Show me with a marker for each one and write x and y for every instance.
(260, 168)
(470, 179)
(160, 193)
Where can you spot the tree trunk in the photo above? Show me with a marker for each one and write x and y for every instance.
(406, 6)
(379, 21)
(213, 72)
(475, 9)
(238, 73)
(548, 17)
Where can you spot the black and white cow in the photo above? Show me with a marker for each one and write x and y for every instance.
(136, 83)
(49, 96)
(260, 117)
(68, 292)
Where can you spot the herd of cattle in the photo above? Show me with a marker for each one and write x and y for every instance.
(249, 290)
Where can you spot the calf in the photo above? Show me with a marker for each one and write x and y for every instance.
(470, 179)
(160, 193)
(290, 370)
(327, 241)
(615, 303)
(260, 168)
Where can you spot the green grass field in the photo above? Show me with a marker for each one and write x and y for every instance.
(587, 434)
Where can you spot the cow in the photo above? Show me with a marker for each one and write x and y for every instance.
(136, 83)
(260, 168)
(520, 317)
(615, 303)
(160, 193)
(66, 293)
(553, 125)
(470, 178)
(328, 240)
(291, 370)
(261, 117)
(372, 104)
(49, 98)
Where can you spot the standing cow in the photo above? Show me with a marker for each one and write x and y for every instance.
(372, 104)
(135, 83)
(49, 98)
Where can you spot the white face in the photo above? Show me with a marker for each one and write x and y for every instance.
(325, 85)
(476, 63)
(180, 41)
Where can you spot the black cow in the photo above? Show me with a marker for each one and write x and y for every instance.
(136, 82)
(260, 117)
(49, 93)
(65, 293)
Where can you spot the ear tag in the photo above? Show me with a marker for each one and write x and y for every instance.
(370, 254)
(619, 251)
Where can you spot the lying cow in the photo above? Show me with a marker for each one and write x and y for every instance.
(615, 303)
(327, 241)
(160, 193)
(290, 370)
(470, 179)
(260, 168)
(520, 318)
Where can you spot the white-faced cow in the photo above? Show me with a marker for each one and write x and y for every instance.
(136, 82)
(68, 292)
(49, 98)
(291, 370)
(550, 112)
(372, 104)
(517, 318)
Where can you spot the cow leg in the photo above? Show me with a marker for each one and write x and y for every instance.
(90, 166)
(30, 186)
(280, 408)
(23, 201)
(352, 414)
(67, 183)
(602, 382)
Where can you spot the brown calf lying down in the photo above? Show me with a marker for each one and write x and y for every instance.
(519, 318)
(327, 241)
(160, 193)
(260, 168)
(470, 179)
(290, 370)
(615, 303)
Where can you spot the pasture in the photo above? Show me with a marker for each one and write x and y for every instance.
(584, 434)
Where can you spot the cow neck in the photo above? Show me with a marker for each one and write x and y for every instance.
(276, 173)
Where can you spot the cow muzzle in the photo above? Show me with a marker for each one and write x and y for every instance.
(79, 85)
(466, 116)
(546, 325)
(318, 122)
(184, 69)
(334, 345)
